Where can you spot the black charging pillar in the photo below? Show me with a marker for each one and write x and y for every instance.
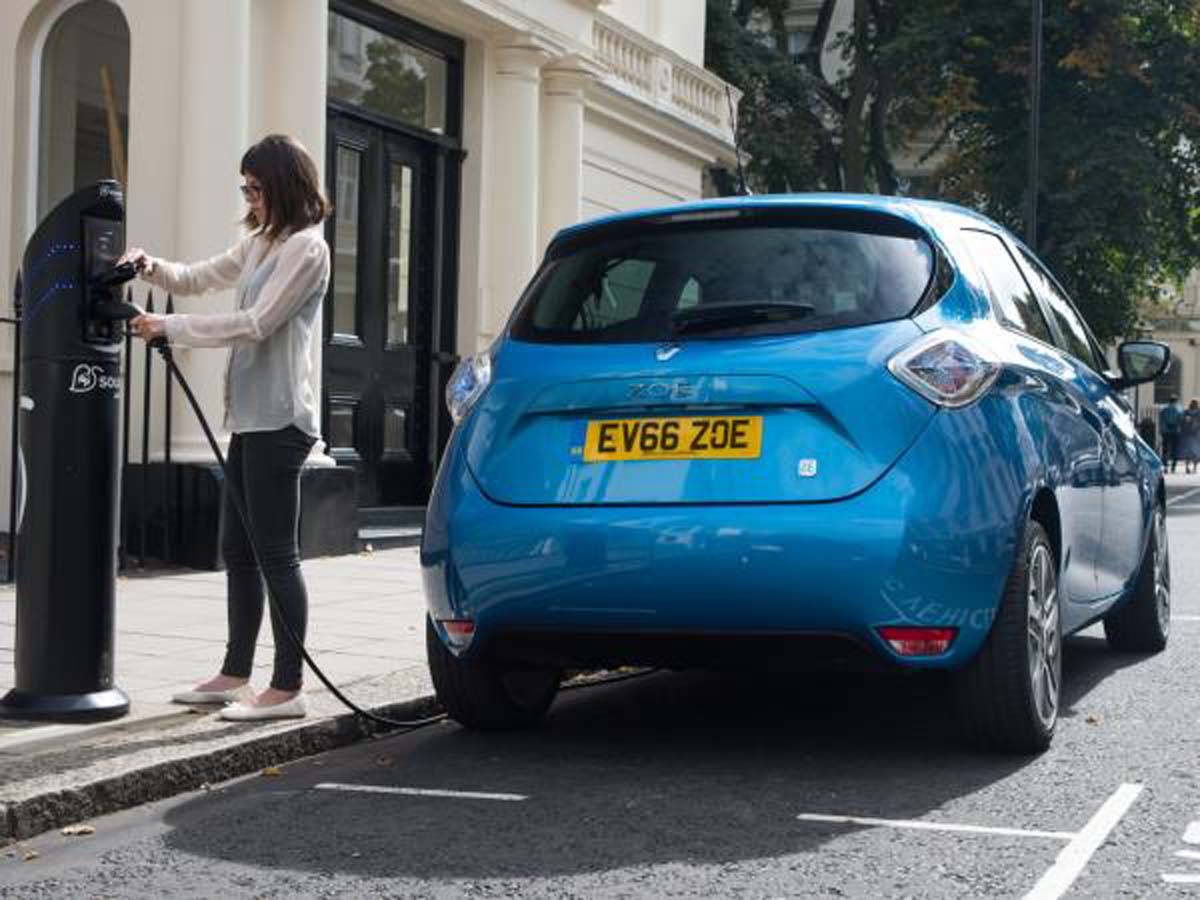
(69, 458)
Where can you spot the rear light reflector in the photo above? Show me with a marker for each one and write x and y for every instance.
(918, 641)
(946, 367)
(458, 632)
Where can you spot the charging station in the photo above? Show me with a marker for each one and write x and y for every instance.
(67, 514)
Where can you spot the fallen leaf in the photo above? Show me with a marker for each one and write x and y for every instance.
(383, 760)
(272, 771)
(1093, 719)
(78, 830)
(30, 855)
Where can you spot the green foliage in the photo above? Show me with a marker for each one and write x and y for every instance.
(1119, 192)
(396, 87)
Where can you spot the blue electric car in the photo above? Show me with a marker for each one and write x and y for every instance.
(793, 431)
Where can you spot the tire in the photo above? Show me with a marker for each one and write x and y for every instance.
(1008, 696)
(1143, 623)
(481, 694)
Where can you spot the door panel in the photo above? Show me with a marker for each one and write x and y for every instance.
(378, 332)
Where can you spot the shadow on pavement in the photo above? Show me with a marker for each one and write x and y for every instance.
(669, 768)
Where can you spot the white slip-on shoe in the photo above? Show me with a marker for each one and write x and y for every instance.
(295, 708)
(233, 695)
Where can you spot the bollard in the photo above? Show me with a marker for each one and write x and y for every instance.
(70, 407)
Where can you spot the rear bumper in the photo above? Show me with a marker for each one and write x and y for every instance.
(930, 543)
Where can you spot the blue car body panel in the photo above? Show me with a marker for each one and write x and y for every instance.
(916, 523)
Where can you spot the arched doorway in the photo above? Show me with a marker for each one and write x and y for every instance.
(83, 101)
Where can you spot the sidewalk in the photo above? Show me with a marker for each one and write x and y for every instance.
(366, 630)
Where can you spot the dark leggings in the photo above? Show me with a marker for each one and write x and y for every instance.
(264, 468)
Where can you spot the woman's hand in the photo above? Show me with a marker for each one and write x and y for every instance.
(149, 327)
(141, 260)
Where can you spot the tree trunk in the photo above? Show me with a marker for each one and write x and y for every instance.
(854, 157)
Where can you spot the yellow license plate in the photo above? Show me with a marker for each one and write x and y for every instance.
(679, 437)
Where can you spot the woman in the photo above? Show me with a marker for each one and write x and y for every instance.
(1189, 438)
(280, 270)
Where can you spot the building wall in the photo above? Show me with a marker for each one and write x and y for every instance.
(571, 108)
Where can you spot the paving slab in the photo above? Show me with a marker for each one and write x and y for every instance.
(366, 628)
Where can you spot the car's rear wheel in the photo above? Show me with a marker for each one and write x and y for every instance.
(486, 695)
(1008, 696)
(1143, 624)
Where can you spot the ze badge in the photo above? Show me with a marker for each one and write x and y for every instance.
(807, 468)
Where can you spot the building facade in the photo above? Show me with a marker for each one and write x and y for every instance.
(456, 136)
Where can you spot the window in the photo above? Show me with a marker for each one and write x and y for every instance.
(386, 75)
(1076, 339)
(1170, 382)
(659, 281)
(1017, 305)
(84, 103)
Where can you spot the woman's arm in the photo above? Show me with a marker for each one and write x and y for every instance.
(220, 271)
(302, 269)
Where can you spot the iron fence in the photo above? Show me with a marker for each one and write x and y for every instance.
(141, 512)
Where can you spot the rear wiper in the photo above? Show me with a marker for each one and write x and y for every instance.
(724, 315)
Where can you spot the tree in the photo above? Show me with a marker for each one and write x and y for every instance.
(828, 118)
(1119, 193)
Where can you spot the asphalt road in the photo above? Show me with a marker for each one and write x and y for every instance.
(689, 785)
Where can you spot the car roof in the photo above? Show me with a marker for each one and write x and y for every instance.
(919, 212)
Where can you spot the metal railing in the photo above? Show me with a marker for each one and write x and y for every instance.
(135, 514)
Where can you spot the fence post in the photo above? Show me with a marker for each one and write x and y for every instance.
(145, 443)
(170, 308)
(127, 375)
(15, 450)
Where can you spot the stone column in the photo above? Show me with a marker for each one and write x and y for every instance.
(214, 93)
(294, 42)
(564, 85)
(513, 235)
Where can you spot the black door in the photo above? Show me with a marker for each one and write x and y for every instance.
(379, 311)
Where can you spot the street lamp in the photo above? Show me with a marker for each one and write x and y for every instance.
(1035, 115)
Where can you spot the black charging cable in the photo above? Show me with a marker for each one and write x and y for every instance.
(164, 350)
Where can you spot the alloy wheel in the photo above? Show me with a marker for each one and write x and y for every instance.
(1045, 643)
(1162, 572)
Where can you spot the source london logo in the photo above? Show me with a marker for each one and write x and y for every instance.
(87, 378)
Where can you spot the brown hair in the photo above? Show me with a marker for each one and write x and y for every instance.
(291, 186)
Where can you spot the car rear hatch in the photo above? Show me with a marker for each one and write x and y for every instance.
(740, 360)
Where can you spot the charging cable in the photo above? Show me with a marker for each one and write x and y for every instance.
(164, 350)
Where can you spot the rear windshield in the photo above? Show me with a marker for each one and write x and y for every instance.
(724, 279)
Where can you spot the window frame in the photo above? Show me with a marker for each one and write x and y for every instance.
(1027, 259)
(994, 304)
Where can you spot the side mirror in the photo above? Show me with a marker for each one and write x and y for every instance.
(1141, 361)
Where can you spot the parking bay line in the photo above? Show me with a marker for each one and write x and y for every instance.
(1071, 860)
(1183, 496)
(417, 792)
(1181, 879)
(922, 825)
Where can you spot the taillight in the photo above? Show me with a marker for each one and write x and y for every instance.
(919, 641)
(467, 385)
(458, 632)
(947, 368)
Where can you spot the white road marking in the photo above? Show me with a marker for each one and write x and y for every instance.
(922, 825)
(1175, 617)
(1191, 834)
(1071, 860)
(417, 792)
(1188, 854)
(1183, 496)
(1181, 879)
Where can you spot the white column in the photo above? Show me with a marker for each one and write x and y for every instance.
(294, 42)
(513, 235)
(563, 99)
(214, 96)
